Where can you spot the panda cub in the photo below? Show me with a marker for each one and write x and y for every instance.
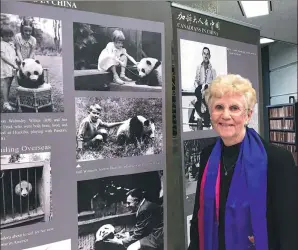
(24, 198)
(136, 130)
(150, 72)
(30, 75)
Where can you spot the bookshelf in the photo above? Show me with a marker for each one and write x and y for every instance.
(283, 127)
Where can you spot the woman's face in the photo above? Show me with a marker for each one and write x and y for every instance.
(229, 116)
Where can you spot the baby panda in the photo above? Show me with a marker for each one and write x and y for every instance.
(103, 234)
(150, 72)
(106, 231)
(23, 196)
(136, 130)
(201, 105)
(23, 189)
(30, 74)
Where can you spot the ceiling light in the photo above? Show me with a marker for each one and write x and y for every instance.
(254, 8)
(264, 40)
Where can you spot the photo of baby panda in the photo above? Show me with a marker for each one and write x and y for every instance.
(123, 211)
(25, 189)
(116, 59)
(117, 127)
(31, 64)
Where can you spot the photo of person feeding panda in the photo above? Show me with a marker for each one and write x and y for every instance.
(117, 127)
(31, 64)
(116, 59)
(122, 212)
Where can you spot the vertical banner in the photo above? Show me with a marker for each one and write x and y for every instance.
(82, 129)
(206, 46)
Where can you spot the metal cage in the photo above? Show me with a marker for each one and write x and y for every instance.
(16, 209)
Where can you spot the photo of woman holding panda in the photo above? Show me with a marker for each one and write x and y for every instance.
(116, 59)
(31, 64)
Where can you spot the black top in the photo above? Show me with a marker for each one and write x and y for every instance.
(228, 161)
(282, 197)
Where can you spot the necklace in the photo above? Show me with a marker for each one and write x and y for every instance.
(227, 170)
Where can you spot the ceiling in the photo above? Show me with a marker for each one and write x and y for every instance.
(281, 24)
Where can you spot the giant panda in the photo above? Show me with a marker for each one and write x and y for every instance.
(23, 188)
(201, 106)
(24, 197)
(30, 74)
(136, 130)
(150, 72)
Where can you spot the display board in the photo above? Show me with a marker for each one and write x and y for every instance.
(224, 47)
(82, 129)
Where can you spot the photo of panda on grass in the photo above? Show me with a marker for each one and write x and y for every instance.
(25, 189)
(31, 64)
(117, 127)
(116, 59)
(200, 64)
(121, 212)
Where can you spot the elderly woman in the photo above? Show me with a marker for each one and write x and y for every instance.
(247, 190)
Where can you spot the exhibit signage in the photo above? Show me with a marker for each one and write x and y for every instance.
(206, 46)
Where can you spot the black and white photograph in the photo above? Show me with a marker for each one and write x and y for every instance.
(192, 152)
(31, 64)
(116, 59)
(26, 189)
(114, 127)
(200, 64)
(64, 244)
(121, 212)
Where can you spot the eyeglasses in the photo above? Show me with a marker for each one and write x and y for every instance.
(234, 110)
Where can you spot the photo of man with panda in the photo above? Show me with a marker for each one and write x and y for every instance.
(31, 64)
(117, 127)
(200, 65)
(116, 59)
(125, 212)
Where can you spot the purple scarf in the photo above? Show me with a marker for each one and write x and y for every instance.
(246, 204)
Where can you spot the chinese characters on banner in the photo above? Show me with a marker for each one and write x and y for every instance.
(199, 20)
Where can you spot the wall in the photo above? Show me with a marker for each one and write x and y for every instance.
(283, 72)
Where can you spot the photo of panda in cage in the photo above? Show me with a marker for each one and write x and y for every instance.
(192, 152)
(121, 212)
(200, 64)
(25, 187)
(116, 59)
(31, 64)
(117, 127)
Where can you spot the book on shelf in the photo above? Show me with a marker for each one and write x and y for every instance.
(285, 111)
(283, 127)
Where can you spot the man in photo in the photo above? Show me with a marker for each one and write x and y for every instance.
(92, 129)
(148, 229)
(205, 74)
